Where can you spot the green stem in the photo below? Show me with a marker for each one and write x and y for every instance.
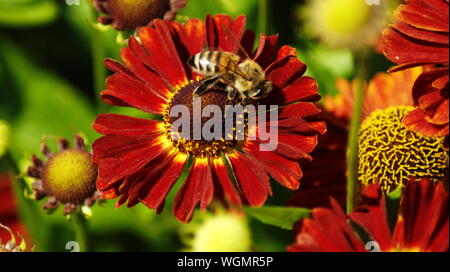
(262, 16)
(97, 64)
(352, 143)
(81, 230)
(98, 55)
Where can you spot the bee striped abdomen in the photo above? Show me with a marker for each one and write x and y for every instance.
(211, 63)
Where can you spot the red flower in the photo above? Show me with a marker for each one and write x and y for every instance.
(420, 36)
(324, 177)
(140, 162)
(422, 223)
(8, 208)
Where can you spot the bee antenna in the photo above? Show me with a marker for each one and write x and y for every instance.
(230, 34)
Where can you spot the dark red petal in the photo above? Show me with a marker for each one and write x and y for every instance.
(435, 107)
(110, 123)
(373, 219)
(115, 164)
(285, 51)
(416, 121)
(217, 35)
(266, 50)
(150, 78)
(424, 210)
(115, 146)
(425, 83)
(296, 146)
(248, 42)
(164, 181)
(141, 184)
(294, 125)
(302, 110)
(158, 51)
(320, 181)
(221, 175)
(424, 15)
(133, 93)
(285, 71)
(306, 111)
(251, 178)
(302, 89)
(328, 230)
(192, 35)
(425, 35)
(198, 188)
(286, 172)
(402, 49)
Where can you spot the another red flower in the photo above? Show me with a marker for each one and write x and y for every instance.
(324, 177)
(140, 162)
(422, 223)
(420, 36)
(8, 208)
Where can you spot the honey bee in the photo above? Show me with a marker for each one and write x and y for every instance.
(243, 80)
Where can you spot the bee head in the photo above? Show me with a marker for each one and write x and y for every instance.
(253, 71)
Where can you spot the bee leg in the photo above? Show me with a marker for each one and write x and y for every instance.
(231, 93)
(205, 85)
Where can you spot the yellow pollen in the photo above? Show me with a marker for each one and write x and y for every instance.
(391, 154)
(70, 176)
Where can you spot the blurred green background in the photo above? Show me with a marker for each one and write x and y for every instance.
(48, 53)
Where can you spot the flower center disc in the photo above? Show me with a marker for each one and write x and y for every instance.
(392, 154)
(135, 13)
(188, 144)
(70, 176)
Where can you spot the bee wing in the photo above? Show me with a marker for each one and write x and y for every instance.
(236, 71)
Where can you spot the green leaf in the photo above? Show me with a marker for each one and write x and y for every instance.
(19, 13)
(395, 194)
(283, 217)
(49, 105)
(199, 9)
(392, 206)
(327, 65)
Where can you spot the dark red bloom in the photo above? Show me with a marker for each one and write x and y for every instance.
(324, 177)
(422, 223)
(140, 162)
(420, 36)
(8, 208)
